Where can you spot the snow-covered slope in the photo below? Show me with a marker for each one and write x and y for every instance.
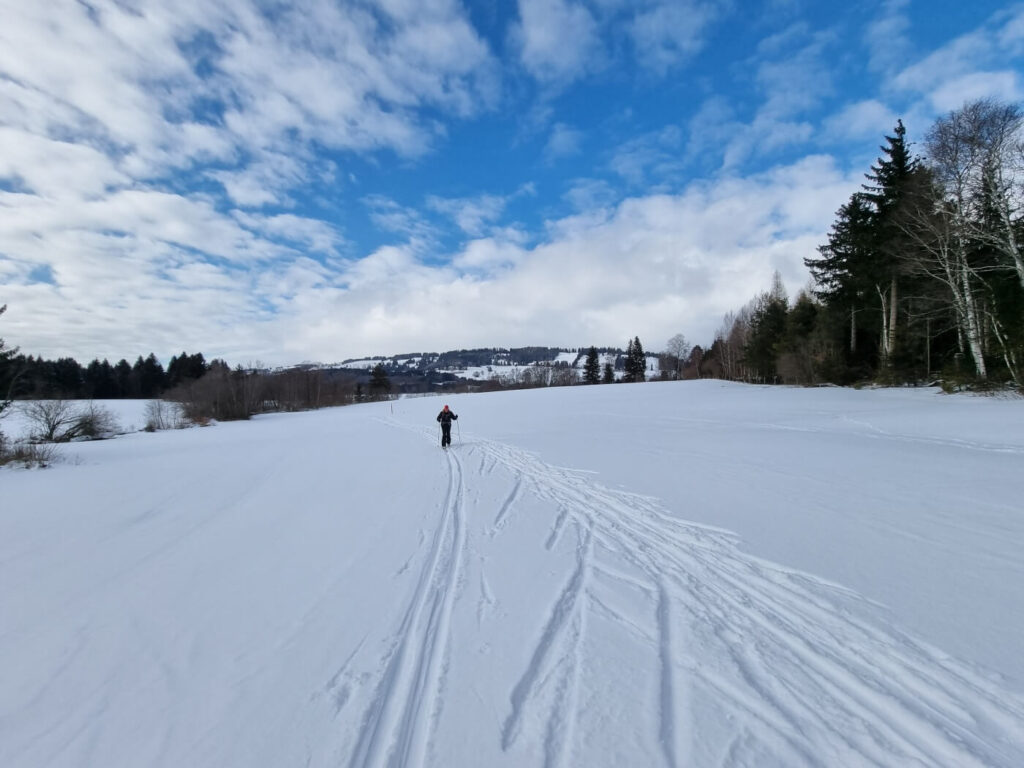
(331, 588)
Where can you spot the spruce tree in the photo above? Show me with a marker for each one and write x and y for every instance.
(609, 374)
(636, 361)
(6, 370)
(843, 272)
(890, 181)
(380, 385)
(592, 367)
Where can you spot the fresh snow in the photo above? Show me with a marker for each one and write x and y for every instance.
(695, 573)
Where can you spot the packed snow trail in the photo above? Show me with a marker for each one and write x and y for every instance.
(260, 595)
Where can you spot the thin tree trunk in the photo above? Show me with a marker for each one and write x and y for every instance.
(1012, 247)
(928, 347)
(884, 340)
(853, 330)
(1009, 358)
(973, 328)
(893, 310)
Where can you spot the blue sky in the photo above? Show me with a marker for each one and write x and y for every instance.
(278, 182)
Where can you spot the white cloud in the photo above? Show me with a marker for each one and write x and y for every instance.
(651, 266)
(953, 94)
(474, 216)
(886, 37)
(313, 234)
(388, 215)
(668, 33)
(794, 81)
(127, 81)
(264, 182)
(860, 120)
(653, 154)
(588, 194)
(954, 59)
(56, 168)
(558, 40)
(564, 141)
(973, 65)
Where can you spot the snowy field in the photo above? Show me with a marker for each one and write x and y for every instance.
(681, 574)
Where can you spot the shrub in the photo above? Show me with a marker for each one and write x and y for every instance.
(28, 454)
(161, 414)
(94, 422)
(57, 421)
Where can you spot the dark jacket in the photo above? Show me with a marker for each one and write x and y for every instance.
(445, 417)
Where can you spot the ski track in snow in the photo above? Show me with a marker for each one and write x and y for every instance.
(807, 682)
(781, 650)
(400, 722)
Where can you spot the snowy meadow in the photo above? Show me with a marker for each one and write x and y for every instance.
(688, 573)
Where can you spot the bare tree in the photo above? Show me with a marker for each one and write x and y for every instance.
(972, 155)
(59, 421)
(678, 348)
(992, 132)
(161, 414)
(49, 420)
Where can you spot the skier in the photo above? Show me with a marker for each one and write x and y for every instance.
(445, 418)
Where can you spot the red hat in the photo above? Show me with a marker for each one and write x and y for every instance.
(446, 407)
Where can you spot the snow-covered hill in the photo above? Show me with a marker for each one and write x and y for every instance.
(664, 574)
(506, 366)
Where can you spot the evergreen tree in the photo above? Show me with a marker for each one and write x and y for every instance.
(100, 382)
(185, 368)
(7, 373)
(592, 367)
(67, 378)
(639, 361)
(891, 179)
(147, 378)
(842, 273)
(609, 374)
(767, 330)
(636, 361)
(380, 385)
(123, 379)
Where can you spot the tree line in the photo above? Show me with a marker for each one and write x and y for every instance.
(921, 277)
(26, 376)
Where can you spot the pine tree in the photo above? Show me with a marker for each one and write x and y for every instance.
(842, 273)
(592, 367)
(609, 374)
(767, 331)
(7, 375)
(640, 360)
(149, 376)
(890, 180)
(380, 385)
(636, 361)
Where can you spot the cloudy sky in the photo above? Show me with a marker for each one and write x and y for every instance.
(262, 180)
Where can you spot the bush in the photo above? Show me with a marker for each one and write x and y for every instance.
(24, 453)
(57, 421)
(161, 414)
(94, 423)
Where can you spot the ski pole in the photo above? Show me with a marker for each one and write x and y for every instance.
(458, 431)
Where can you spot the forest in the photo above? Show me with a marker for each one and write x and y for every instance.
(920, 280)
